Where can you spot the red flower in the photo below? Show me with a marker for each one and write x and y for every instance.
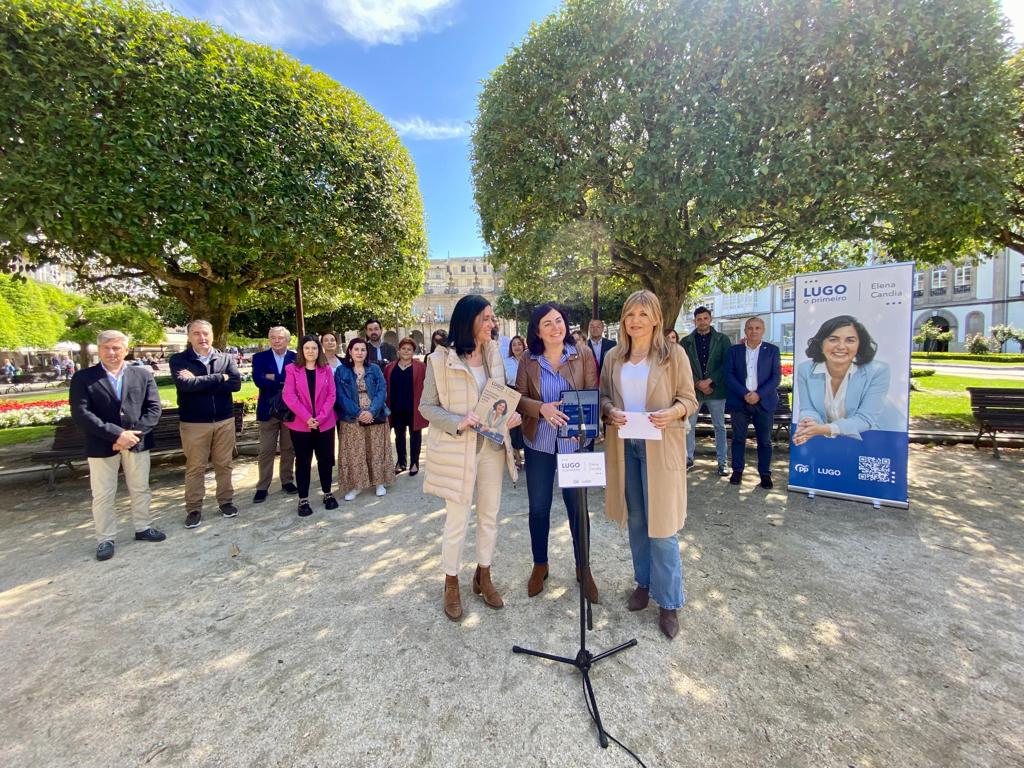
(14, 405)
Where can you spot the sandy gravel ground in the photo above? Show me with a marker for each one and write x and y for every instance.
(816, 633)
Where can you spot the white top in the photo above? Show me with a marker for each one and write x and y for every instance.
(597, 347)
(480, 374)
(835, 405)
(334, 362)
(752, 367)
(634, 386)
(279, 359)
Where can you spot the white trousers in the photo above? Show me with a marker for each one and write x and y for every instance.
(490, 471)
(103, 481)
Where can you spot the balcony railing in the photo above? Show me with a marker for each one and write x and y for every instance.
(938, 291)
(918, 293)
(962, 289)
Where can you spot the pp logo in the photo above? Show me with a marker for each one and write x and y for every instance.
(801, 468)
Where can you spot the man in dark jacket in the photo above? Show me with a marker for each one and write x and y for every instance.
(599, 345)
(205, 379)
(707, 349)
(117, 406)
(752, 373)
(268, 369)
(378, 352)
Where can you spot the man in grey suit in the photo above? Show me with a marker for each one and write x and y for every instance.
(117, 406)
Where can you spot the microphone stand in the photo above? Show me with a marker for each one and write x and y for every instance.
(584, 659)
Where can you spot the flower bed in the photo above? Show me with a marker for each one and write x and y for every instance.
(26, 414)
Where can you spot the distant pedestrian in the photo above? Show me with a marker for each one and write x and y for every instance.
(117, 406)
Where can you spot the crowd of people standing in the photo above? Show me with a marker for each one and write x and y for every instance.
(340, 408)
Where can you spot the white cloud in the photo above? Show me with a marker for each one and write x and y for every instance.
(282, 22)
(418, 128)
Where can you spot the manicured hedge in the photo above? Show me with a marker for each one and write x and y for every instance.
(993, 358)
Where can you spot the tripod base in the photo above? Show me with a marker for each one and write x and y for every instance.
(583, 662)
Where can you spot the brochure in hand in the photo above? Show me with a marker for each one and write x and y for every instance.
(496, 404)
(574, 400)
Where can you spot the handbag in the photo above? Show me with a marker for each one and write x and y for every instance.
(279, 409)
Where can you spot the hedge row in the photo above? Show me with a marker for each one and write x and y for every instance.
(993, 358)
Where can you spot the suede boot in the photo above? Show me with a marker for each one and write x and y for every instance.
(592, 595)
(639, 599)
(482, 586)
(452, 600)
(538, 576)
(668, 620)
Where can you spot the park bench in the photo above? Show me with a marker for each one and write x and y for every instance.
(69, 441)
(996, 410)
(781, 421)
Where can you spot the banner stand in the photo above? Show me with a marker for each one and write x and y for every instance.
(876, 503)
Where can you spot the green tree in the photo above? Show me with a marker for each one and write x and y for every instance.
(929, 336)
(737, 140)
(139, 144)
(37, 310)
(142, 326)
(1002, 334)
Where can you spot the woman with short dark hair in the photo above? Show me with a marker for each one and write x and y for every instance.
(364, 458)
(552, 364)
(404, 378)
(464, 464)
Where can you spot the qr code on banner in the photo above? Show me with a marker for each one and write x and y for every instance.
(875, 469)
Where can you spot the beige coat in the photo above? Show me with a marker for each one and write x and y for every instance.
(449, 393)
(668, 386)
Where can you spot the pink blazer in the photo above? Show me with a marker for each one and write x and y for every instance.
(296, 397)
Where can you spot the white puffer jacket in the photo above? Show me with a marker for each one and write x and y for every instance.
(449, 393)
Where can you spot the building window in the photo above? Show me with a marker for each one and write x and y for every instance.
(787, 337)
(918, 284)
(788, 296)
(463, 268)
(962, 279)
(940, 277)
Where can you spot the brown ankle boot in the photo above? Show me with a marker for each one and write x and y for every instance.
(452, 600)
(538, 576)
(482, 586)
(668, 620)
(639, 599)
(592, 595)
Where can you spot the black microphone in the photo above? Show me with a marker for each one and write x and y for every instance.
(584, 536)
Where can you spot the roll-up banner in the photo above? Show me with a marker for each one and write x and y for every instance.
(851, 384)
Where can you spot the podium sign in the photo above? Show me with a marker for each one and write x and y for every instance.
(581, 470)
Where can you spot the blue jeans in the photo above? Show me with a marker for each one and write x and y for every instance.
(717, 410)
(541, 469)
(656, 562)
(762, 421)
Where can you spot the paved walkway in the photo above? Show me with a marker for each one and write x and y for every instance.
(817, 633)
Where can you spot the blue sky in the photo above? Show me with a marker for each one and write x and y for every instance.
(418, 62)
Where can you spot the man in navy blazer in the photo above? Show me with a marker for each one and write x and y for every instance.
(117, 406)
(268, 369)
(752, 374)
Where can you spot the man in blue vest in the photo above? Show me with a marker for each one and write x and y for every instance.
(752, 374)
(268, 369)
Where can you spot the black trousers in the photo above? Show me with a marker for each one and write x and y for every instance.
(306, 444)
(402, 421)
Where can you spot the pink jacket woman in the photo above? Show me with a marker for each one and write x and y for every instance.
(296, 397)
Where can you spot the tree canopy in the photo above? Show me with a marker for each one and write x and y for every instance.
(138, 144)
(740, 141)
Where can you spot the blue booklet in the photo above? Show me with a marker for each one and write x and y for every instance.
(589, 402)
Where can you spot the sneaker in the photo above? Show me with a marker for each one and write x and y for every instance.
(260, 497)
(381, 490)
(351, 495)
(150, 534)
(689, 463)
(766, 482)
(330, 502)
(193, 519)
(289, 488)
(737, 477)
(722, 471)
(228, 510)
(105, 550)
(304, 509)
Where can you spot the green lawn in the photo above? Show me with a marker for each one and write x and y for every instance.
(980, 363)
(16, 435)
(943, 399)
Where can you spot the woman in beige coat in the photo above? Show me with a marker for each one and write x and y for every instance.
(647, 478)
(458, 459)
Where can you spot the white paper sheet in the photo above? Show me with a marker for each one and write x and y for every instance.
(639, 427)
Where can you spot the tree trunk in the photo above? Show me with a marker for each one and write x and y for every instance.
(671, 288)
(215, 303)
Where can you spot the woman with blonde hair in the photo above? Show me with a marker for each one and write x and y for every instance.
(645, 374)
(462, 463)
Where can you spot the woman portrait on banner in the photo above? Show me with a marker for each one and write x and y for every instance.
(405, 378)
(841, 389)
(364, 453)
(647, 478)
(310, 394)
(464, 464)
(516, 347)
(552, 364)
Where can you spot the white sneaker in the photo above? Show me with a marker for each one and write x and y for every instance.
(351, 495)
(381, 490)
